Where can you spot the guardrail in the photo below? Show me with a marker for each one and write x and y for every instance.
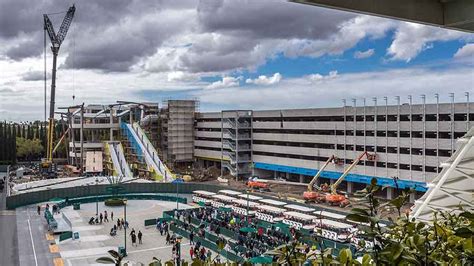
(35, 197)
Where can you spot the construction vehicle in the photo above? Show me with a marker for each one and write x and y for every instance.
(47, 166)
(255, 183)
(316, 196)
(338, 199)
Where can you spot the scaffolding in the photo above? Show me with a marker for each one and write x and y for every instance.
(177, 131)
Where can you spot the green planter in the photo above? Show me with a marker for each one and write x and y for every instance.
(115, 202)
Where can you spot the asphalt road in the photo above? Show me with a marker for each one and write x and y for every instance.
(8, 233)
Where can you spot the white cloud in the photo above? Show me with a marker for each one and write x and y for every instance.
(318, 77)
(181, 76)
(465, 51)
(411, 39)
(303, 93)
(264, 80)
(364, 54)
(226, 82)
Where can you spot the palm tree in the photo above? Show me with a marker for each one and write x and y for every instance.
(115, 258)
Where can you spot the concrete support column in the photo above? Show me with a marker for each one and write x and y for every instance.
(274, 174)
(349, 187)
(301, 178)
(390, 193)
(412, 198)
(287, 175)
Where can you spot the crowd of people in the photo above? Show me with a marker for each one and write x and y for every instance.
(255, 241)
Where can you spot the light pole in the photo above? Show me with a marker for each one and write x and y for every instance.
(177, 195)
(125, 228)
(96, 198)
(248, 191)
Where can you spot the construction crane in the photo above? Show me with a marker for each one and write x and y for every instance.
(309, 194)
(337, 199)
(56, 41)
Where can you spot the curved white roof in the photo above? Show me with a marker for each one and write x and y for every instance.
(223, 197)
(250, 197)
(330, 215)
(271, 209)
(333, 223)
(242, 202)
(204, 193)
(299, 208)
(230, 192)
(300, 215)
(454, 186)
(273, 202)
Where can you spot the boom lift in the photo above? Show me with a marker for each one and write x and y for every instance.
(316, 196)
(338, 199)
(56, 41)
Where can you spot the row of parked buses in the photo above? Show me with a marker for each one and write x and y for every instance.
(326, 224)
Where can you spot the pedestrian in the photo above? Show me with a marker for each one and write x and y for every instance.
(209, 254)
(106, 219)
(112, 216)
(167, 238)
(101, 217)
(134, 239)
(119, 224)
(133, 231)
(191, 238)
(38, 209)
(126, 224)
(160, 227)
(140, 237)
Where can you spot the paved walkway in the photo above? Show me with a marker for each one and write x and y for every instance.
(9, 248)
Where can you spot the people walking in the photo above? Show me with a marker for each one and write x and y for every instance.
(119, 224)
(191, 238)
(140, 235)
(101, 217)
(112, 216)
(168, 238)
(191, 252)
(39, 209)
(106, 219)
(134, 239)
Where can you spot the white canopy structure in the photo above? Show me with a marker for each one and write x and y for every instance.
(299, 208)
(273, 202)
(250, 197)
(223, 198)
(204, 193)
(271, 209)
(230, 192)
(454, 186)
(330, 215)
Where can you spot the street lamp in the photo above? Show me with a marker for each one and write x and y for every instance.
(96, 198)
(125, 227)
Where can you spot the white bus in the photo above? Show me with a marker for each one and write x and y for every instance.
(273, 202)
(240, 206)
(219, 200)
(203, 196)
(269, 213)
(299, 220)
(299, 208)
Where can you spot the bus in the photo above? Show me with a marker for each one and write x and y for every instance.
(203, 196)
(299, 220)
(219, 200)
(240, 206)
(299, 208)
(273, 202)
(269, 213)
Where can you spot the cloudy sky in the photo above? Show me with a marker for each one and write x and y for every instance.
(244, 54)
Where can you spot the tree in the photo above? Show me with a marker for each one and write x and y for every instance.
(28, 149)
